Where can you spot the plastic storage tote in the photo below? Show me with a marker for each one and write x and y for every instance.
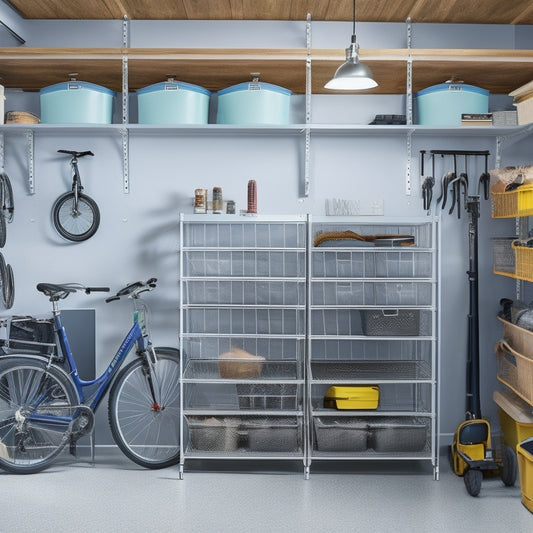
(173, 102)
(76, 102)
(443, 104)
(254, 103)
(516, 420)
(524, 452)
(352, 397)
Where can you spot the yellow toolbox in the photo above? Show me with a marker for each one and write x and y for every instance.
(352, 397)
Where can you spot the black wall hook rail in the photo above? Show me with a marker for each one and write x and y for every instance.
(452, 178)
(460, 152)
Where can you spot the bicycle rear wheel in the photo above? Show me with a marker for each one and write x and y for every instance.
(148, 432)
(8, 287)
(3, 231)
(8, 206)
(76, 224)
(28, 387)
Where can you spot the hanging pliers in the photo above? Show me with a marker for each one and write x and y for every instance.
(427, 182)
(484, 180)
(446, 179)
(456, 185)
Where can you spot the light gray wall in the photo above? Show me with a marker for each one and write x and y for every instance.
(138, 237)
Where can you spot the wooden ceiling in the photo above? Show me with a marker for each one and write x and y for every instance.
(420, 11)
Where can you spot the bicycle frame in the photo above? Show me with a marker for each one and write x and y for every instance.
(76, 182)
(137, 335)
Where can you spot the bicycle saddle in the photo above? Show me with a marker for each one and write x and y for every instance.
(73, 153)
(59, 292)
(55, 292)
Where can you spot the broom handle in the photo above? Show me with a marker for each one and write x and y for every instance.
(473, 407)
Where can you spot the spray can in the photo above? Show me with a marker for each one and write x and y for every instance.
(252, 196)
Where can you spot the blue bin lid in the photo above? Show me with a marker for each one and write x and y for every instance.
(255, 84)
(451, 87)
(69, 85)
(173, 85)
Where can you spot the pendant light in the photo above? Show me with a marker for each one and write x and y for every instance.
(352, 75)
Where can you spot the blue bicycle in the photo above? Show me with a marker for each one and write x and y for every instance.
(45, 405)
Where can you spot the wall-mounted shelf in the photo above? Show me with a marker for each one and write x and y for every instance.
(30, 69)
(275, 130)
(124, 131)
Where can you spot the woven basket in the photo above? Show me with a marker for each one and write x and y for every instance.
(519, 339)
(515, 370)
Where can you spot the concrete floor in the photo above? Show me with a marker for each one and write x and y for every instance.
(114, 495)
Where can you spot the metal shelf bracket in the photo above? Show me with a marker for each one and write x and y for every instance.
(307, 157)
(31, 161)
(125, 109)
(2, 160)
(409, 107)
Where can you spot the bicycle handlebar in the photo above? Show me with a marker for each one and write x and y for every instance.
(73, 153)
(134, 289)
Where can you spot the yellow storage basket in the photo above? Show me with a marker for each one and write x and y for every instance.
(517, 203)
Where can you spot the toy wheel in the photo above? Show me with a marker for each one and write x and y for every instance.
(509, 466)
(473, 479)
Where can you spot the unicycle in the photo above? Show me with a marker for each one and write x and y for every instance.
(75, 215)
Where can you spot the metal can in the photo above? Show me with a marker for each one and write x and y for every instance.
(200, 200)
(218, 203)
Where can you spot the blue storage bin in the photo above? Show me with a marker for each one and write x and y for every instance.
(173, 102)
(254, 103)
(76, 102)
(443, 104)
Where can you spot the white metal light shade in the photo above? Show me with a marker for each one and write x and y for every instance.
(352, 75)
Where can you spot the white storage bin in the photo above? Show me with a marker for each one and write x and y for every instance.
(76, 102)
(173, 102)
(254, 103)
(443, 104)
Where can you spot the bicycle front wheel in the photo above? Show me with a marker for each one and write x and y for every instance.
(146, 426)
(76, 224)
(29, 388)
